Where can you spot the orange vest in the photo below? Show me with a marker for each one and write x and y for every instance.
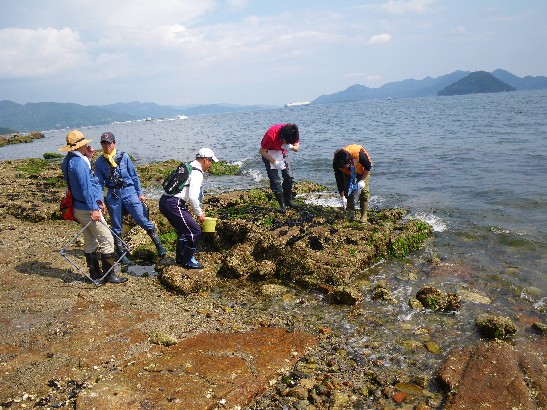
(354, 150)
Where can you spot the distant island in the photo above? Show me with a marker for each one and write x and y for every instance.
(24, 118)
(476, 83)
(427, 87)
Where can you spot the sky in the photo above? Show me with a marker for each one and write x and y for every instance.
(185, 52)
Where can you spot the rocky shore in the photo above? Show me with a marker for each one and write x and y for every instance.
(250, 330)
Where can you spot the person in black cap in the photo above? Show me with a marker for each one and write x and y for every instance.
(116, 172)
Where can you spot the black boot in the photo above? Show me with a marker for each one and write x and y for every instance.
(109, 260)
(121, 250)
(287, 196)
(181, 243)
(281, 200)
(92, 260)
(156, 239)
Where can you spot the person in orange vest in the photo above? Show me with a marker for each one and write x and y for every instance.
(352, 166)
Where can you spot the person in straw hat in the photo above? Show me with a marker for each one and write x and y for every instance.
(88, 206)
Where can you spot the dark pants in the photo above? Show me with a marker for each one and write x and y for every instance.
(174, 209)
(275, 179)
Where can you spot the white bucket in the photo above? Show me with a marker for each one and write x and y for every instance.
(209, 224)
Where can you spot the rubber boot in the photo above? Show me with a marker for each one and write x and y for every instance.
(187, 258)
(109, 260)
(281, 200)
(181, 243)
(156, 239)
(287, 196)
(121, 250)
(92, 260)
(364, 209)
(351, 214)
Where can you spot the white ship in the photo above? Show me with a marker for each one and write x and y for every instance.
(295, 104)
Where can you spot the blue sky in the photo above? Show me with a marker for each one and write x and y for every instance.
(181, 52)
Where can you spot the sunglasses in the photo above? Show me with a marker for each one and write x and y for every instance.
(107, 142)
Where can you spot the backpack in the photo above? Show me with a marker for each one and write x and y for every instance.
(67, 203)
(177, 179)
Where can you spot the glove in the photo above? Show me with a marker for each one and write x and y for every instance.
(286, 147)
(360, 184)
(279, 165)
(343, 202)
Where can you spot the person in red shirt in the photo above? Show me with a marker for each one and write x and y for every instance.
(274, 147)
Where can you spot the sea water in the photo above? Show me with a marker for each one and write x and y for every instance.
(474, 167)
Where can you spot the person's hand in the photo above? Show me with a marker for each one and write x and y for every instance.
(96, 215)
(201, 218)
(343, 202)
(142, 198)
(279, 165)
(361, 184)
(287, 147)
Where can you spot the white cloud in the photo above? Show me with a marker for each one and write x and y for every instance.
(379, 39)
(41, 52)
(408, 6)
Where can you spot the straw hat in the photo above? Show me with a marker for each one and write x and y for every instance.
(74, 140)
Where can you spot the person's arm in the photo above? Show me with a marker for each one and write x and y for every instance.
(132, 172)
(99, 171)
(291, 147)
(339, 176)
(84, 179)
(194, 189)
(268, 157)
(364, 160)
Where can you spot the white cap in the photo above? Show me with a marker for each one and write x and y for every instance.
(207, 153)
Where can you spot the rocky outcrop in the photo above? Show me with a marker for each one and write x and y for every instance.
(496, 375)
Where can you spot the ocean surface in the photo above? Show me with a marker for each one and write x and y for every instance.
(474, 167)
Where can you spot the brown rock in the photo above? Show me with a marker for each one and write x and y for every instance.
(201, 372)
(496, 375)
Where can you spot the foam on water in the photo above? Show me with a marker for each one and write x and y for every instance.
(436, 222)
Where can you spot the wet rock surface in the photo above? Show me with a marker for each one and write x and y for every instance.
(247, 331)
(496, 375)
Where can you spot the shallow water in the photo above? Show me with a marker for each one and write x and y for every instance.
(472, 166)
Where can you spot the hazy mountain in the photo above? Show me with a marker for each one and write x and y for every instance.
(476, 83)
(426, 87)
(49, 115)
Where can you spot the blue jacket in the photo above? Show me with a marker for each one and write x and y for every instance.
(125, 170)
(85, 188)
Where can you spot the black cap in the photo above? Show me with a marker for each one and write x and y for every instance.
(108, 136)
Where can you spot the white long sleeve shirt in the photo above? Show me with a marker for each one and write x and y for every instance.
(191, 192)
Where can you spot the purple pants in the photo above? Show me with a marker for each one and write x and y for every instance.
(174, 209)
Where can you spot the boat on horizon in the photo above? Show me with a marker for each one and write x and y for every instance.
(296, 104)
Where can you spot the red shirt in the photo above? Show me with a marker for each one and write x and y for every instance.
(272, 139)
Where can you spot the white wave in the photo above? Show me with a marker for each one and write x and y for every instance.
(254, 174)
(436, 223)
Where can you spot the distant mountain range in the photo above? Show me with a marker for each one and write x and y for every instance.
(49, 115)
(426, 87)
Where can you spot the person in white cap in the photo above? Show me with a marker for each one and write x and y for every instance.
(175, 209)
(88, 206)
